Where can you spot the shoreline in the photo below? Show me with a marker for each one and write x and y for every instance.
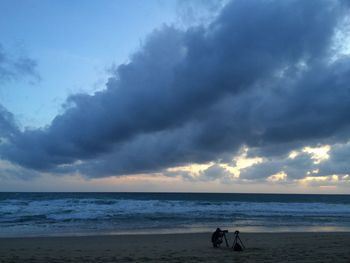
(180, 231)
(190, 247)
(155, 233)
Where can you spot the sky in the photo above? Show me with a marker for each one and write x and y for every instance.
(181, 96)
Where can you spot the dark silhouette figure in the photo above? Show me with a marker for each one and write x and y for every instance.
(237, 243)
(217, 237)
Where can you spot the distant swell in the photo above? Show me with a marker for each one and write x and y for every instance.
(29, 214)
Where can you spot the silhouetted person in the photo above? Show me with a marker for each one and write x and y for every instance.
(216, 237)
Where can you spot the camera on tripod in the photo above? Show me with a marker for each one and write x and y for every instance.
(219, 235)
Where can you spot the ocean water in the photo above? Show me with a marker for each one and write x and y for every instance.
(47, 214)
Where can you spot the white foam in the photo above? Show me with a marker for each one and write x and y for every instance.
(85, 209)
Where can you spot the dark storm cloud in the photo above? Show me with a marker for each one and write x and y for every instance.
(259, 75)
(313, 107)
(16, 67)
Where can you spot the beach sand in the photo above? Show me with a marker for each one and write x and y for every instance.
(261, 247)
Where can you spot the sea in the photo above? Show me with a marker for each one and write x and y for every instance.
(67, 214)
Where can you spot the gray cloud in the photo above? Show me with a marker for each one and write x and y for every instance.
(16, 67)
(303, 165)
(258, 75)
(200, 12)
(215, 172)
(338, 162)
(296, 168)
(8, 126)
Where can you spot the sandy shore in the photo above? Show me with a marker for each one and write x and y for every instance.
(261, 247)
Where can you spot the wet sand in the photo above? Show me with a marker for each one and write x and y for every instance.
(261, 247)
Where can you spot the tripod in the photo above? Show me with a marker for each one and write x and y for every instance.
(237, 243)
(224, 235)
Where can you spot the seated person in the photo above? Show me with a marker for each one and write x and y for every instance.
(216, 237)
